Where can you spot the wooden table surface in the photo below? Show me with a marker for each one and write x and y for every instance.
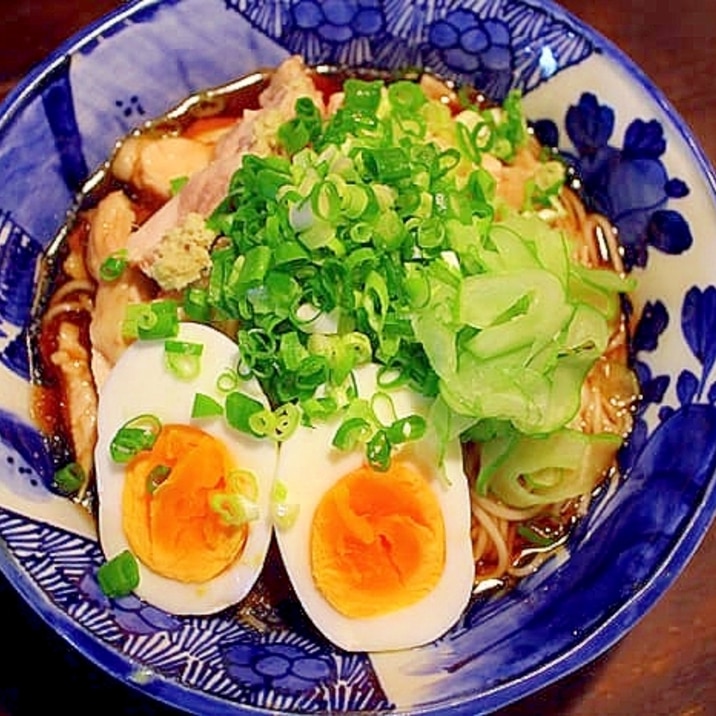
(667, 665)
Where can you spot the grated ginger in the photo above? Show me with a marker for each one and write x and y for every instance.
(182, 255)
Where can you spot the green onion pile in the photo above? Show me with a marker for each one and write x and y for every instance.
(377, 236)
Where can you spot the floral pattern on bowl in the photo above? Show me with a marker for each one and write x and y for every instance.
(63, 122)
(630, 184)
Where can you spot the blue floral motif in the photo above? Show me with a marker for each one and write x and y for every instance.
(629, 185)
(18, 256)
(329, 31)
(60, 112)
(335, 20)
(15, 354)
(33, 463)
(19, 253)
(130, 613)
(634, 444)
(698, 323)
(652, 323)
(480, 48)
(495, 45)
(698, 326)
(128, 108)
(288, 667)
(687, 386)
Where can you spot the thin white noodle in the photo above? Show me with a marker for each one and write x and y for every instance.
(606, 234)
(532, 564)
(498, 541)
(480, 541)
(512, 514)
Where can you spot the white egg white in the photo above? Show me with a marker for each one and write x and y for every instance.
(140, 383)
(308, 466)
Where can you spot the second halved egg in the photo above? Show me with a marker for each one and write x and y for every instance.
(380, 559)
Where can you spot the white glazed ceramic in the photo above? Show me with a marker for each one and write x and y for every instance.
(640, 167)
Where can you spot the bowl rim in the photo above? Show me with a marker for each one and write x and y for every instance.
(601, 637)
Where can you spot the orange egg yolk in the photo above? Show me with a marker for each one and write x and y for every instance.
(169, 522)
(377, 541)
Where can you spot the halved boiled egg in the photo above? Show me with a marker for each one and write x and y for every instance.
(379, 559)
(193, 508)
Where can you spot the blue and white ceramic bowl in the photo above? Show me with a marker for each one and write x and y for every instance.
(641, 168)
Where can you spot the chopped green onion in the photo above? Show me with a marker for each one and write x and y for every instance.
(157, 475)
(387, 165)
(227, 381)
(293, 135)
(254, 267)
(291, 351)
(352, 432)
(278, 425)
(290, 252)
(465, 143)
(245, 482)
(113, 266)
(406, 96)
(376, 300)
(283, 513)
(412, 427)
(536, 537)
(279, 491)
(182, 358)
(309, 114)
(256, 345)
(70, 478)
(358, 345)
(239, 408)
(319, 408)
(312, 372)
(382, 408)
(134, 436)
(119, 576)
(431, 233)
(362, 233)
(325, 202)
(161, 322)
(298, 132)
(177, 184)
(204, 406)
(147, 321)
(448, 160)
(196, 304)
(288, 417)
(355, 200)
(262, 423)
(378, 450)
(234, 510)
(390, 377)
(362, 95)
(417, 287)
